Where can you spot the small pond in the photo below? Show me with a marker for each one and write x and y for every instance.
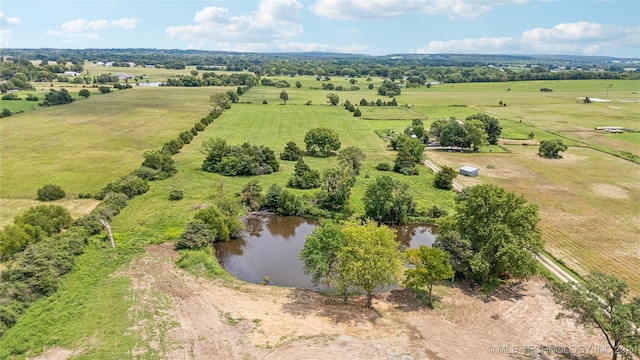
(271, 243)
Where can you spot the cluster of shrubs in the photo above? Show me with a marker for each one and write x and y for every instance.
(213, 79)
(42, 244)
(11, 96)
(291, 152)
(388, 88)
(55, 97)
(392, 102)
(36, 273)
(331, 87)
(383, 166)
(304, 177)
(286, 203)
(278, 83)
(51, 192)
(231, 160)
(121, 86)
(214, 223)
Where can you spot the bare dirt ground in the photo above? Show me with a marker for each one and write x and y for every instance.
(229, 319)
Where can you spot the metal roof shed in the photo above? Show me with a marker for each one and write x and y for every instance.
(469, 171)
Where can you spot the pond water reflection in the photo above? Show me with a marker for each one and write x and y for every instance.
(271, 243)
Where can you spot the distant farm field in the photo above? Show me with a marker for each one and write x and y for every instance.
(588, 200)
(84, 145)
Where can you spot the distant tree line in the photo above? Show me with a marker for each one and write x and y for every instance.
(413, 70)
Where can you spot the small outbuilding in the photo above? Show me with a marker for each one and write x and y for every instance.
(469, 171)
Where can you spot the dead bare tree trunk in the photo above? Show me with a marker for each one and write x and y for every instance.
(106, 226)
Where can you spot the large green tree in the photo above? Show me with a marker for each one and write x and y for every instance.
(476, 134)
(351, 158)
(284, 96)
(430, 266)
(320, 255)
(417, 128)
(453, 133)
(501, 229)
(322, 142)
(333, 99)
(336, 188)
(388, 201)
(412, 146)
(444, 178)
(251, 195)
(599, 302)
(491, 126)
(220, 101)
(369, 258)
(551, 148)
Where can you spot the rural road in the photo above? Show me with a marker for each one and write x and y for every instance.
(543, 259)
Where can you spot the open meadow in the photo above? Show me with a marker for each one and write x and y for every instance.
(110, 306)
(86, 144)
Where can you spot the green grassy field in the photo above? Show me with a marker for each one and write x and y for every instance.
(588, 200)
(84, 145)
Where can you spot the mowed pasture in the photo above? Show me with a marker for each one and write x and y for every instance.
(84, 145)
(274, 125)
(588, 200)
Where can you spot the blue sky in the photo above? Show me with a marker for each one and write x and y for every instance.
(375, 27)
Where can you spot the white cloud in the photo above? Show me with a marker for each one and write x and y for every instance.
(78, 25)
(5, 32)
(273, 22)
(575, 31)
(209, 14)
(8, 20)
(567, 38)
(376, 9)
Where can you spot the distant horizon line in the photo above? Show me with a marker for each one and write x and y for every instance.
(324, 52)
